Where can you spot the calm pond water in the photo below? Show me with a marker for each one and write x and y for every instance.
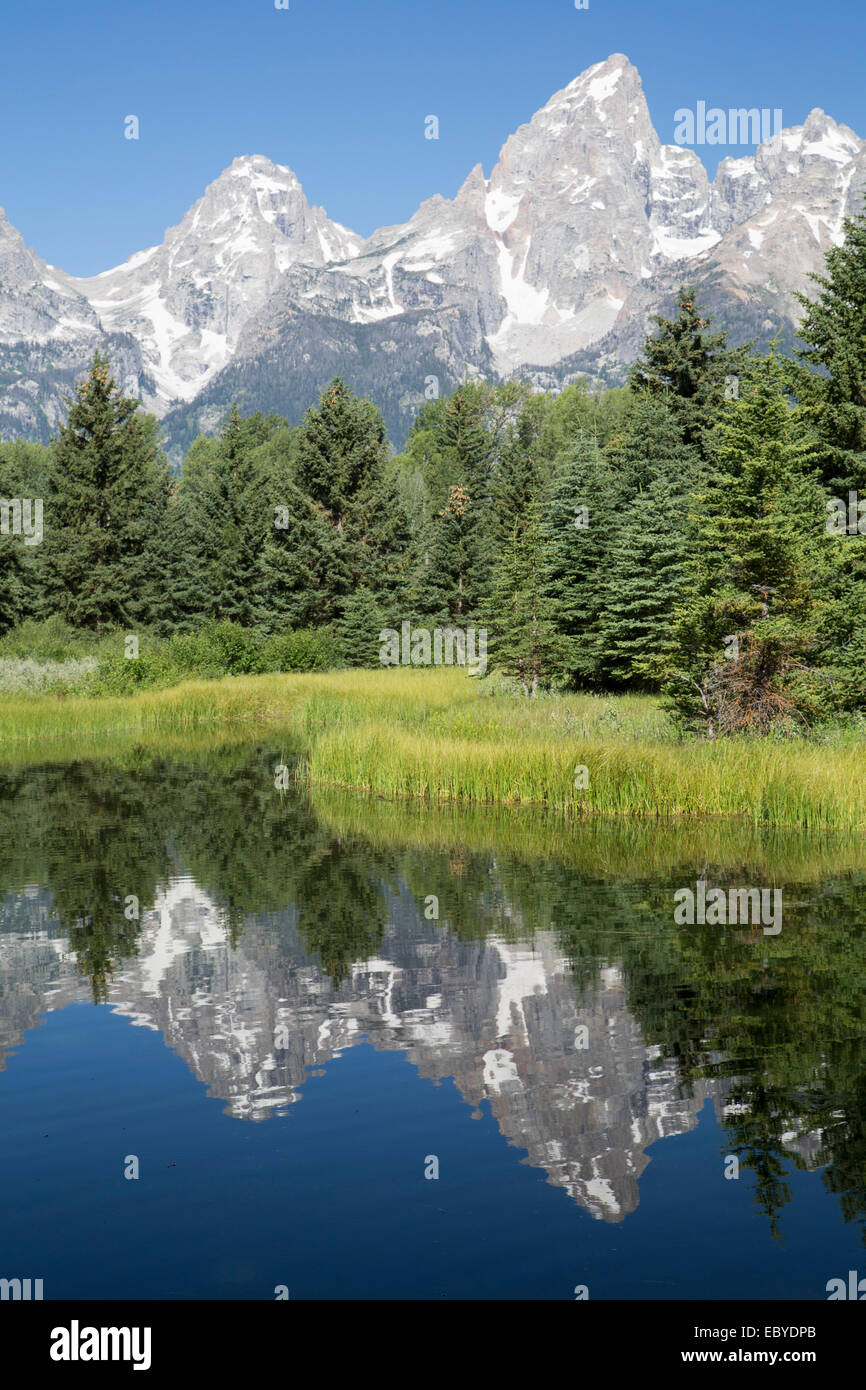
(289, 1044)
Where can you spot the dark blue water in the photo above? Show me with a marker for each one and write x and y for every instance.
(286, 1044)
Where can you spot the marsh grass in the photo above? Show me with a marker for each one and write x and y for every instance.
(437, 735)
(786, 784)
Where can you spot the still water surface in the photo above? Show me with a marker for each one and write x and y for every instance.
(288, 1041)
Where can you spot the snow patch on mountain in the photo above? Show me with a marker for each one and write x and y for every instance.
(578, 234)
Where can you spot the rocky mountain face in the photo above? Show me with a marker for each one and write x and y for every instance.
(187, 301)
(255, 1024)
(548, 268)
(47, 330)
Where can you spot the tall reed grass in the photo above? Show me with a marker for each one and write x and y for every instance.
(768, 784)
(440, 736)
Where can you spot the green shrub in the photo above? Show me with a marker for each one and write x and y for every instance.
(121, 675)
(52, 640)
(238, 649)
(307, 649)
(51, 655)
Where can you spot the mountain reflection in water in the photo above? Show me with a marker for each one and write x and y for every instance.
(276, 931)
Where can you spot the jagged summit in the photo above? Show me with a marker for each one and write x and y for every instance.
(548, 266)
(187, 301)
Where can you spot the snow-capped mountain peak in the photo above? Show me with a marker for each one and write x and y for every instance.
(549, 266)
(188, 300)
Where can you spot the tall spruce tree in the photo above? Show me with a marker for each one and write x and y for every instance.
(747, 641)
(580, 517)
(455, 548)
(343, 528)
(454, 571)
(649, 445)
(834, 330)
(183, 556)
(189, 557)
(305, 566)
(361, 621)
(524, 641)
(235, 517)
(110, 487)
(25, 483)
(452, 444)
(342, 450)
(383, 555)
(688, 366)
(656, 472)
(645, 584)
(11, 573)
(12, 547)
(843, 652)
(521, 472)
(465, 444)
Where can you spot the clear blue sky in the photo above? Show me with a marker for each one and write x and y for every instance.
(339, 89)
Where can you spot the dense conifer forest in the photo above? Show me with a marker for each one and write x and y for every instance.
(697, 533)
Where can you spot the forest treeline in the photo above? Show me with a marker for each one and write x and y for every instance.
(697, 532)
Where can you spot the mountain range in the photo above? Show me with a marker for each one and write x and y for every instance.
(547, 269)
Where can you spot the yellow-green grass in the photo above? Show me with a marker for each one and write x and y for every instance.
(76, 719)
(771, 784)
(47, 726)
(441, 736)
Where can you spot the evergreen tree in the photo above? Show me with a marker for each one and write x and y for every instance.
(452, 439)
(455, 549)
(520, 475)
(11, 575)
(834, 329)
(235, 518)
(454, 571)
(646, 583)
(218, 522)
(382, 554)
(12, 549)
(110, 486)
(843, 652)
(649, 445)
(747, 639)
(688, 366)
(25, 482)
(187, 561)
(359, 626)
(305, 566)
(345, 526)
(655, 473)
(342, 450)
(524, 641)
(580, 517)
(465, 445)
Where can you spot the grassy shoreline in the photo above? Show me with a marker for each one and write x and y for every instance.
(439, 736)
